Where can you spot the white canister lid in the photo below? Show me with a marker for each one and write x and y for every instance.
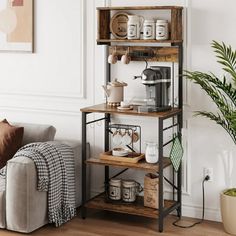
(148, 21)
(115, 181)
(129, 183)
(161, 21)
(133, 17)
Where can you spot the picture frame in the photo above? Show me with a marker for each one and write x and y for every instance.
(16, 26)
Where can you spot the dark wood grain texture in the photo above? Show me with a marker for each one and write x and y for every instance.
(162, 54)
(176, 24)
(103, 30)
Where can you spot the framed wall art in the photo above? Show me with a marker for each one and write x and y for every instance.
(16, 25)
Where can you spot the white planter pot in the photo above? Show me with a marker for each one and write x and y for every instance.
(228, 213)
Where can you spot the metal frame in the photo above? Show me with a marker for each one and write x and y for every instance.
(163, 212)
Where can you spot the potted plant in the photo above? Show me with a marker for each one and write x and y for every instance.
(222, 91)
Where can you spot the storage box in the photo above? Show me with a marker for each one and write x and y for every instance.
(151, 193)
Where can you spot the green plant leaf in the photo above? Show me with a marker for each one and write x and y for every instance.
(220, 90)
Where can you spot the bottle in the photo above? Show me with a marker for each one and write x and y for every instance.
(162, 32)
(149, 29)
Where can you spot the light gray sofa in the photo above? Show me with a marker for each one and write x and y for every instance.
(22, 207)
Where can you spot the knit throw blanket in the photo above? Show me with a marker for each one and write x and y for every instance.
(56, 175)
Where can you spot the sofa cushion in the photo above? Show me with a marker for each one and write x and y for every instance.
(37, 132)
(2, 203)
(10, 141)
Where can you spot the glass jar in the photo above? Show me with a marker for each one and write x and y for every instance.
(162, 32)
(151, 152)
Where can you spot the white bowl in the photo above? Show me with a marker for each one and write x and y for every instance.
(120, 152)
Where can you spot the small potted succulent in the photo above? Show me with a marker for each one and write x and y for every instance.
(222, 91)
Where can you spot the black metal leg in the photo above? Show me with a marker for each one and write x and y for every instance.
(179, 185)
(160, 145)
(84, 167)
(106, 148)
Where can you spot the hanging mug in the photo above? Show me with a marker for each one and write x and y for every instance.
(135, 23)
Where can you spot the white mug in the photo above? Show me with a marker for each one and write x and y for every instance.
(112, 58)
(135, 24)
(125, 59)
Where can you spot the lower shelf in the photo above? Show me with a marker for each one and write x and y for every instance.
(136, 208)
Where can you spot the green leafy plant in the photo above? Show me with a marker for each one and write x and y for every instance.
(230, 192)
(222, 91)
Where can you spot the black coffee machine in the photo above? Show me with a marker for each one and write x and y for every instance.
(157, 80)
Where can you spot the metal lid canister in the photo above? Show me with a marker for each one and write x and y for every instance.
(162, 31)
(129, 190)
(115, 189)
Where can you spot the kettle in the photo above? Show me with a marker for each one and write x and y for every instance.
(114, 92)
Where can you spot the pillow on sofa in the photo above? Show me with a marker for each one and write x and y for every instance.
(10, 141)
(36, 132)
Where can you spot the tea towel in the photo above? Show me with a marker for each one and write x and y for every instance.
(176, 153)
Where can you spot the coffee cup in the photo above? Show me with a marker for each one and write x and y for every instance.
(125, 59)
(113, 58)
(124, 104)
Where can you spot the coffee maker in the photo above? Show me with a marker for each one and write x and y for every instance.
(157, 80)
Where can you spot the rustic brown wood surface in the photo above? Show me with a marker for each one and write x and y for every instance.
(176, 24)
(103, 28)
(104, 108)
(136, 208)
(107, 40)
(163, 54)
(141, 165)
(102, 223)
(131, 158)
(141, 8)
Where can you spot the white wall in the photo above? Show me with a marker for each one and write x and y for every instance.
(51, 85)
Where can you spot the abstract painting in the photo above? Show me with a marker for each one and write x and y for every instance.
(16, 25)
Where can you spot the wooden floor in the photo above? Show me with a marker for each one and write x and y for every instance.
(99, 223)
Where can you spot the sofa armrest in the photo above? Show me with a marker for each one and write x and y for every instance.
(26, 208)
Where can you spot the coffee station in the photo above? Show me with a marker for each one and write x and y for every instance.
(159, 40)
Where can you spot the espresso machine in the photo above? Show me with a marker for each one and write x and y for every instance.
(157, 80)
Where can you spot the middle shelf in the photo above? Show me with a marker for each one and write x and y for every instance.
(141, 165)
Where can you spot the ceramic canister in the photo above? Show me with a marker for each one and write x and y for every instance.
(149, 29)
(162, 31)
(134, 26)
(115, 189)
(129, 190)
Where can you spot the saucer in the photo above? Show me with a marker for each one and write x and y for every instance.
(125, 108)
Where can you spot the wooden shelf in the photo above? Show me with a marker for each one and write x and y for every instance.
(102, 41)
(104, 108)
(104, 17)
(141, 165)
(140, 8)
(136, 208)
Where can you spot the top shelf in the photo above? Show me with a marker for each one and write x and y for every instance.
(140, 8)
(104, 108)
(105, 15)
